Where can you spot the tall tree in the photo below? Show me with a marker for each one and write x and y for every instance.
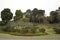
(18, 15)
(54, 15)
(6, 15)
(37, 15)
(40, 16)
(58, 11)
(41, 12)
(34, 14)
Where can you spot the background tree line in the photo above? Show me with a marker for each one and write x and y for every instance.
(35, 16)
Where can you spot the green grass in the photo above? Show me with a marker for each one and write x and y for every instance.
(28, 34)
(1, 29)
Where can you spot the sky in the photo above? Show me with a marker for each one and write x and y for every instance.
(47, 5)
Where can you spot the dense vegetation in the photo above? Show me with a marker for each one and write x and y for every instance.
(30, 22)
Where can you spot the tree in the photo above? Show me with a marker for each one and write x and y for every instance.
(18, 14)
(41, 12)
(28, 13)
(40, 16)
(59, 8)
(58, 11)
(34, 13)
(54, 15)
(37, 15)
(6, 15)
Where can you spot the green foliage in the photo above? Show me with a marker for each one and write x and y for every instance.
(23, 30)
(1, 29)
(27, 16)
(54, 16)
(41, 12)
(34, 29)
(6, 14)
(48, 19)
(28, 30)
(37, 15)
(42, 30)
(35, 11)
(25, 19)
(7, 29)
(2, 23)
(57, 30)
(18, 14)
(28, 13)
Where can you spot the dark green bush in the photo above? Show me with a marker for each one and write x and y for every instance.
(25, 19)
(42, 30)
(23, 30)
(33, 29)
(9, 29)
(2, 23)
(6, 29)
(57, 30)
(28, 30)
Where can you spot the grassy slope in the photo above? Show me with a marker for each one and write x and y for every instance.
(49, 30)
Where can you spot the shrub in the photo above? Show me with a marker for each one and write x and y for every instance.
(6, 29)
(24, 19)
(9, 29)
(57, 30)
(42, 30)
(23, 30)
(28, 30)
(34, 29)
